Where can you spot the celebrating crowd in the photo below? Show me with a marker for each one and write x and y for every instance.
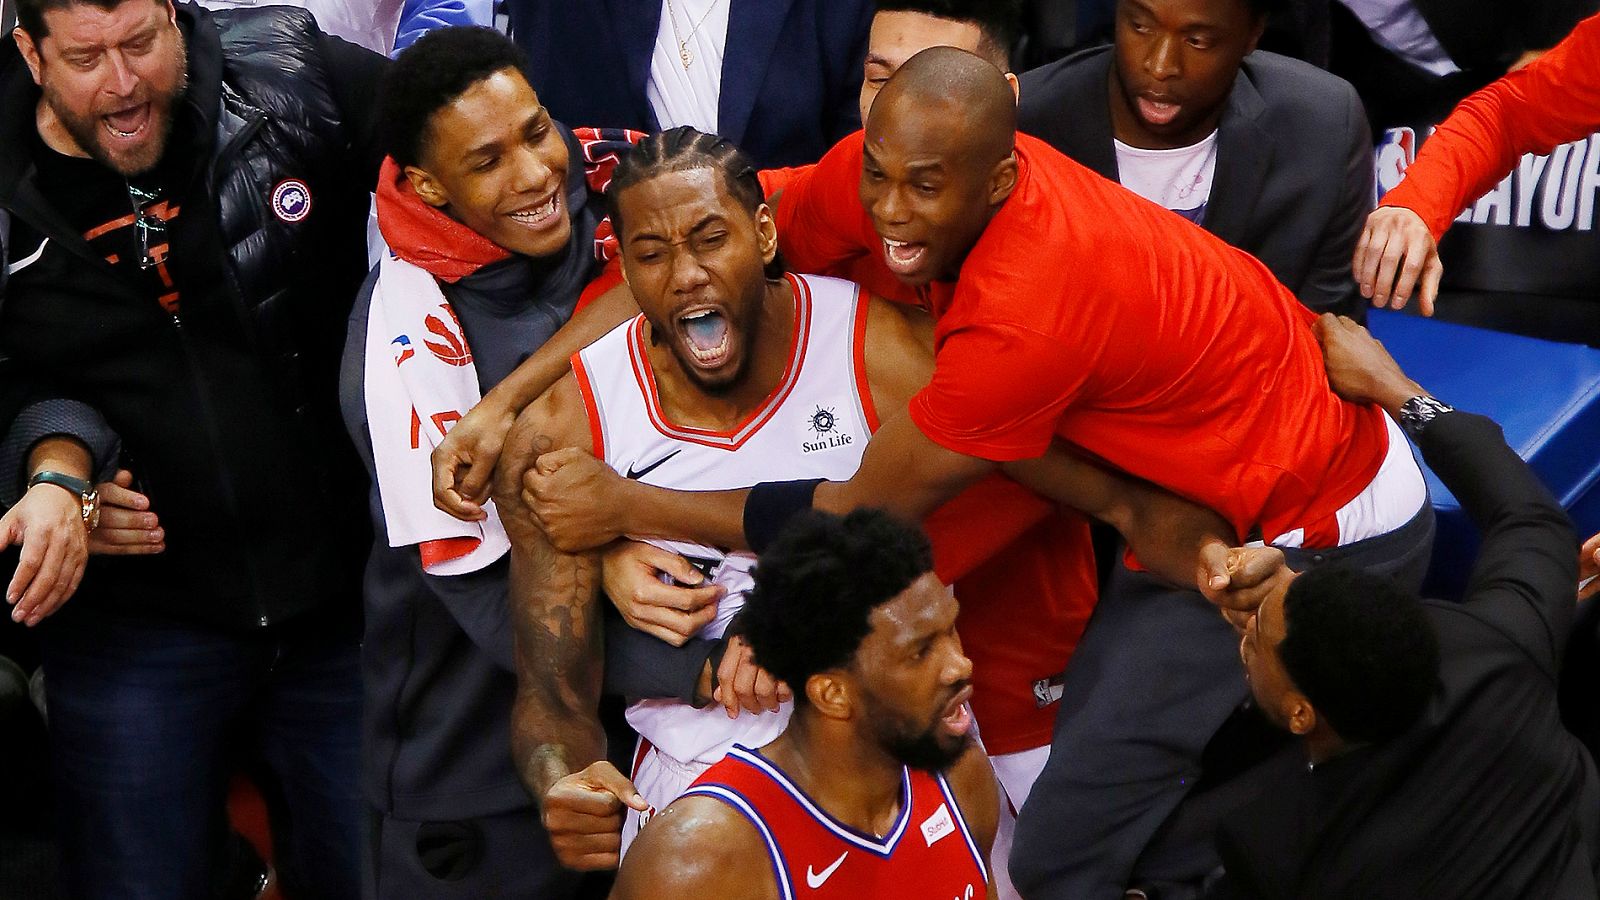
(801, 457)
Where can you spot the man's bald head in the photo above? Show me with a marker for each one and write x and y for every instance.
(960, 94)
(938, 162)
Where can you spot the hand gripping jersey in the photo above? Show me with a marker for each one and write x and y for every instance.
(815, 424)
(929, 854)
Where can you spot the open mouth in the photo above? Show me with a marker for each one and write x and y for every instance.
(1158, 112)
(706, 333)
(957, 717)
(903, 257)
(539, 217)
(128, 124)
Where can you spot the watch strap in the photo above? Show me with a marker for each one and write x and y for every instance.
(1420, 411)
(76, 485)
(88, 497)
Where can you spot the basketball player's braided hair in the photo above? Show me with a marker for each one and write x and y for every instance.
(679, 150)
(817, 584)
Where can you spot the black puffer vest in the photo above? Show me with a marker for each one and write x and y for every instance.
(228, 410)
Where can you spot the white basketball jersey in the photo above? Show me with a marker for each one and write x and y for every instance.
(815, 424)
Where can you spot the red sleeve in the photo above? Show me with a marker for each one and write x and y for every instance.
(775, 180)
(821, 224)
(979, 522)
(609, 277)
(1551, 101)
(1000, 412)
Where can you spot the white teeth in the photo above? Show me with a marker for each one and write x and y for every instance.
(699, 315)
(538, 215)
(894, 243)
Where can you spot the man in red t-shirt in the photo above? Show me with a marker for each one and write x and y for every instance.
(1068, 308)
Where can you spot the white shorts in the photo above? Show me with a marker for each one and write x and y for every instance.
(660, 779)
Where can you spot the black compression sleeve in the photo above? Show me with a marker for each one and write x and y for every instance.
(771, 505)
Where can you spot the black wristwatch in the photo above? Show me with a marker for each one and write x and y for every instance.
(1420, 411)
(87, 495)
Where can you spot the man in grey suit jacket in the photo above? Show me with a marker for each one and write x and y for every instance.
(1268, 153)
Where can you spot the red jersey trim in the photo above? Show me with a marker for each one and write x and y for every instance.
(734, 439)
(858, 356)
(883, 848)
(590, 407)
(780, 866)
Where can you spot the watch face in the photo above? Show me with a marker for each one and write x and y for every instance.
(91, 510)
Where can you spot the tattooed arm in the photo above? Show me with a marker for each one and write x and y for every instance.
(554, 609)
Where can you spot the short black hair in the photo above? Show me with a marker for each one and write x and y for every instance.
(817, 584)
(1260, 8)
(30, 13)
(429, 75)
(1361, 649)
(679, 150)
(1000, 21)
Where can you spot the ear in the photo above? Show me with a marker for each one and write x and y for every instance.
(1302, 716)
(172, 14)
(1003, 180)
(1016, 86)
(1256, 31)
(30, 52)
(427, 187)
(767, 233)
(832, 695)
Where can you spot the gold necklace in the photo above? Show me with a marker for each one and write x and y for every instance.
(684, 53)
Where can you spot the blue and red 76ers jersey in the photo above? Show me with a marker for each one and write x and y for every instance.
(929, 854)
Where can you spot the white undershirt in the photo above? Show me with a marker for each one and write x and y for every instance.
(1179, 179)
(1397, 27)
(688, 95)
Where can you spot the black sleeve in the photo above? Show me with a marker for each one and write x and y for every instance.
(644, 667)
(1525, 579)
(770, 506)
(355, 73)
(50, 418)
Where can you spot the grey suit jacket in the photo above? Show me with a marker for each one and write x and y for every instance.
(1293, 183)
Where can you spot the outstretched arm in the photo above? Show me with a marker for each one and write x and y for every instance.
(464, 461)
(1523, 579)
(1550, 101)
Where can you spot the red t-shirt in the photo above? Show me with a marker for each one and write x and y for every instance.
(1087, 312)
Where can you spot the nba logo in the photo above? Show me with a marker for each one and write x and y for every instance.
(291, 200)
(1394, 155)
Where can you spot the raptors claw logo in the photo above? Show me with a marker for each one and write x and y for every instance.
(455, 351)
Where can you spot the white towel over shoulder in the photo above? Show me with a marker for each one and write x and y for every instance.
(420, 381)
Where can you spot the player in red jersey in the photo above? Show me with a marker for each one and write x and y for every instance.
(875, 788)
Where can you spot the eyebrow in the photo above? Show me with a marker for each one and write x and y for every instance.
(710, 219)
(490, 147)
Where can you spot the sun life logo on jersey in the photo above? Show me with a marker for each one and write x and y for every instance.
(825, 425)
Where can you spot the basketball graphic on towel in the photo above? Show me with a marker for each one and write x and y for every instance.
(453, 349)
